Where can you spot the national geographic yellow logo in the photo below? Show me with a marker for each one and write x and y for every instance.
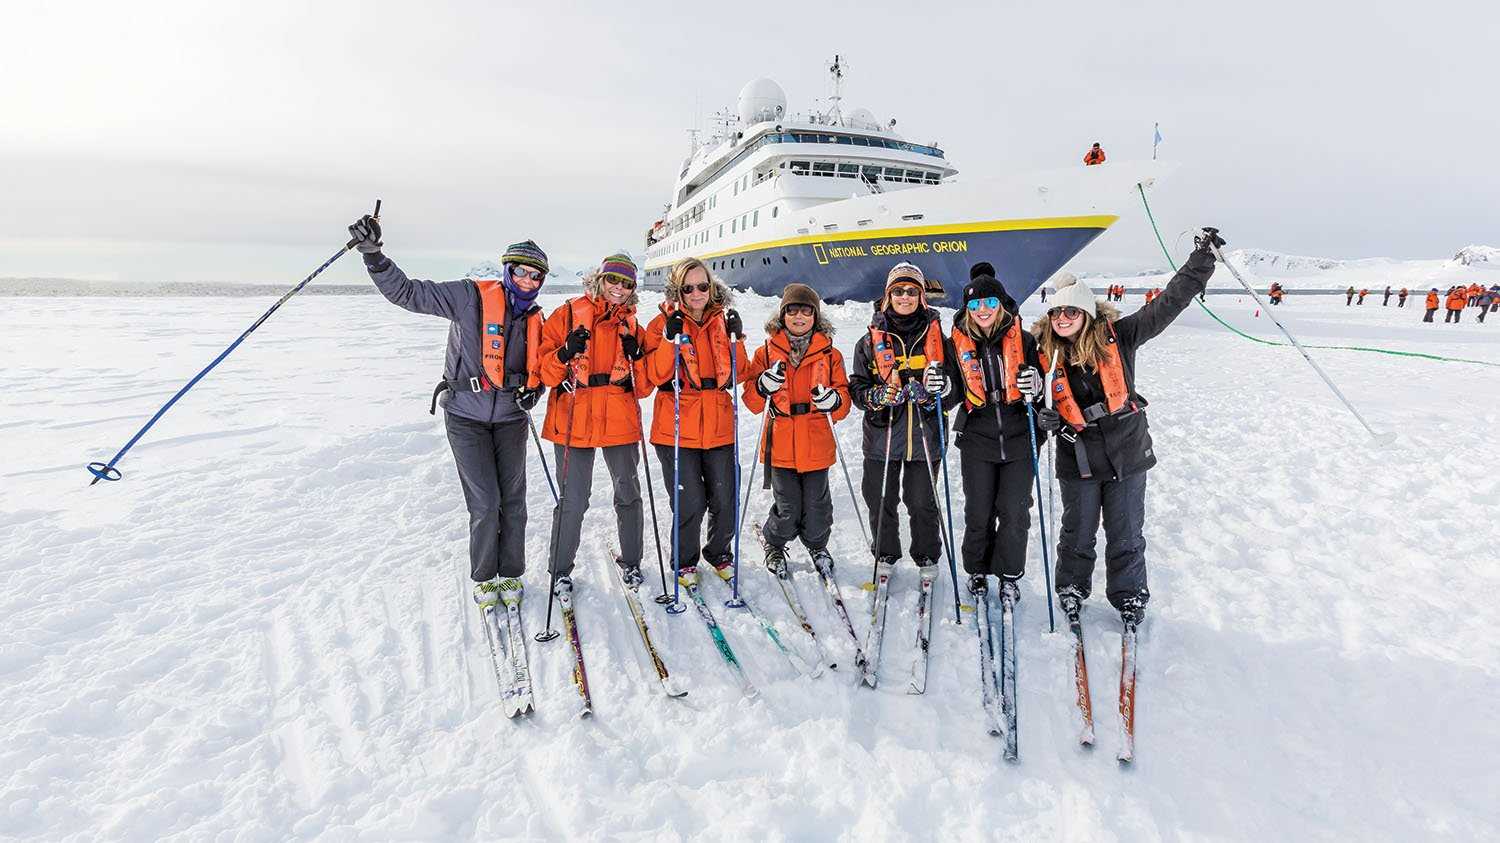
(826, 254)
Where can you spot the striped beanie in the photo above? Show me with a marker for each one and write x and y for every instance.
(526, 253)
(619, 265)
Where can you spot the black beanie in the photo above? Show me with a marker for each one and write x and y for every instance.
(981, 268)
(985, 286)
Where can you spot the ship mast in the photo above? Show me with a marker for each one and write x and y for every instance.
(834, 116)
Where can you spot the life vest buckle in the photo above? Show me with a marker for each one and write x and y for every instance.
(1094, 412)
(475, 385)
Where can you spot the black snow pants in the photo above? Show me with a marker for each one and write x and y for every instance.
(997, 514)
(707, 486)
(491, 461)
(910, 482)
(1122, 503)
(1453, 316)
(802, 508)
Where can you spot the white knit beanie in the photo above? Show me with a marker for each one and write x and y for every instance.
(1072, 293)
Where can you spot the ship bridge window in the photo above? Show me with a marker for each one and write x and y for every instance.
(849, 171)
(822, 168)
(870, 173)
(914, 176)
(800, 167)
(930, 178)
(894, 173)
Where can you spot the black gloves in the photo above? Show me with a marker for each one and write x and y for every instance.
(1048, 420)
(364, 235)
(577, 342)
(631, 347)
(673, 329)
(527, 398)
(1208, 238)
(734, 324)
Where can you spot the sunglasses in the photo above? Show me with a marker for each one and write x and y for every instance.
(905, 292)
(702, 287)
(523, 272)
(1065, 312)
(619, 281)
(798, 310)
(989, 302)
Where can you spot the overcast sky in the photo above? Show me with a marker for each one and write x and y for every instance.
(188, 141)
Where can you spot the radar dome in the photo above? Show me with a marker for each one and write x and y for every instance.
(863, 118)
(761, 100)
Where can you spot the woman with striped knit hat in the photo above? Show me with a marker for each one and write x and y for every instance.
(491, 379)
(592, 358)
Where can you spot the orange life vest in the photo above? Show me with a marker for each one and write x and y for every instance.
(821, 375)
(1011, 352)
(883, 350)
(581, 312)
(492, 313)
(1111, 377)
(718, 340)
(1094, 156)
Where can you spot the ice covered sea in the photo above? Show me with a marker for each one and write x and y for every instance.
(263, 632)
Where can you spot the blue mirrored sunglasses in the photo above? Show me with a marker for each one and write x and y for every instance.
(991, 302)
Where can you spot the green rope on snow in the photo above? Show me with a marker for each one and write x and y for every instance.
(1372, 350)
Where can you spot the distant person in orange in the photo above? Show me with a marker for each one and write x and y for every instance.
(1474, 291)
(1432, 304)
(1458, 298)
(1095, 155)
(1362, 294)
(1401, 298)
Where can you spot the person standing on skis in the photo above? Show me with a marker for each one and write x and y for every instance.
(688, 344)
(1000, 374)
(491, 380)
(1105, 448)
(591, 358)
(800, 383)
(901, 367)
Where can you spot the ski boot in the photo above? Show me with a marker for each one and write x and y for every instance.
(1010, 588)
(821, 556)
(923, 562)
(630, 573)
(563, 586)
(979, 585)
(487, 593)
(510, 590)
(776, 562)
(1070, 599)
(688, 575)
(1132, 611)
(724, 567)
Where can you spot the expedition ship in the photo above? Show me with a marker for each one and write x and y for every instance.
(834, 201)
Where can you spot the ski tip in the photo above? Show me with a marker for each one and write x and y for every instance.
(966, 607)
(867, 586)
(1086, 740)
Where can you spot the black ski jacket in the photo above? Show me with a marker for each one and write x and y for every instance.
(976, 429)
(906, 436)
(1120, 445)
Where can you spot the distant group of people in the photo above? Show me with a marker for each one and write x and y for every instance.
(1459, 297)
(1115, 292)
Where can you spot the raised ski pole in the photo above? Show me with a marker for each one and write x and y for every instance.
(676, 606)
(948, 505)
(1041, 518)
(107, 471)
(542, 455)
(735, 602)
(1211, 234)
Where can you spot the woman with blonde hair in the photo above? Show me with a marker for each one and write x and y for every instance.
(688, 345)
(1104, 449)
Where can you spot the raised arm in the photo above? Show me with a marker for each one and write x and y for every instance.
(1154, 317)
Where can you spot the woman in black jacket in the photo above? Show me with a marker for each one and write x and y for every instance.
(1104, 446)
(1000, 374)
(900, 367)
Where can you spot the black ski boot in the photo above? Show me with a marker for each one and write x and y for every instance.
(1070, 599)
(776, 561)
(979, 584)
(1132, 611)
(630, 572)
(1009, 588)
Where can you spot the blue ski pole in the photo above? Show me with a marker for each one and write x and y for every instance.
(676, 606)
(107, 471)
(734, 602)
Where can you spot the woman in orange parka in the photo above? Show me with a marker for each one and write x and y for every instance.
(802, 376)
(1457, 300)
(591, 358)
(692, 338)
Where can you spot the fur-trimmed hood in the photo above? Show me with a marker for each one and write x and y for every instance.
(719, 295)
(1107, 311)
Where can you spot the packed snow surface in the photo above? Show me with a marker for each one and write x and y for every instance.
(264, 631)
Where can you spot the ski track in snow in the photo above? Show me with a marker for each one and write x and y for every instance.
(264, 632)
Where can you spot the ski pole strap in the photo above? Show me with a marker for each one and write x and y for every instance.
(1080, 453)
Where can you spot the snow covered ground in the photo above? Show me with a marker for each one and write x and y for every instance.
(264, 631)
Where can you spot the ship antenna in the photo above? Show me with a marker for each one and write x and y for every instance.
(836, 70)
